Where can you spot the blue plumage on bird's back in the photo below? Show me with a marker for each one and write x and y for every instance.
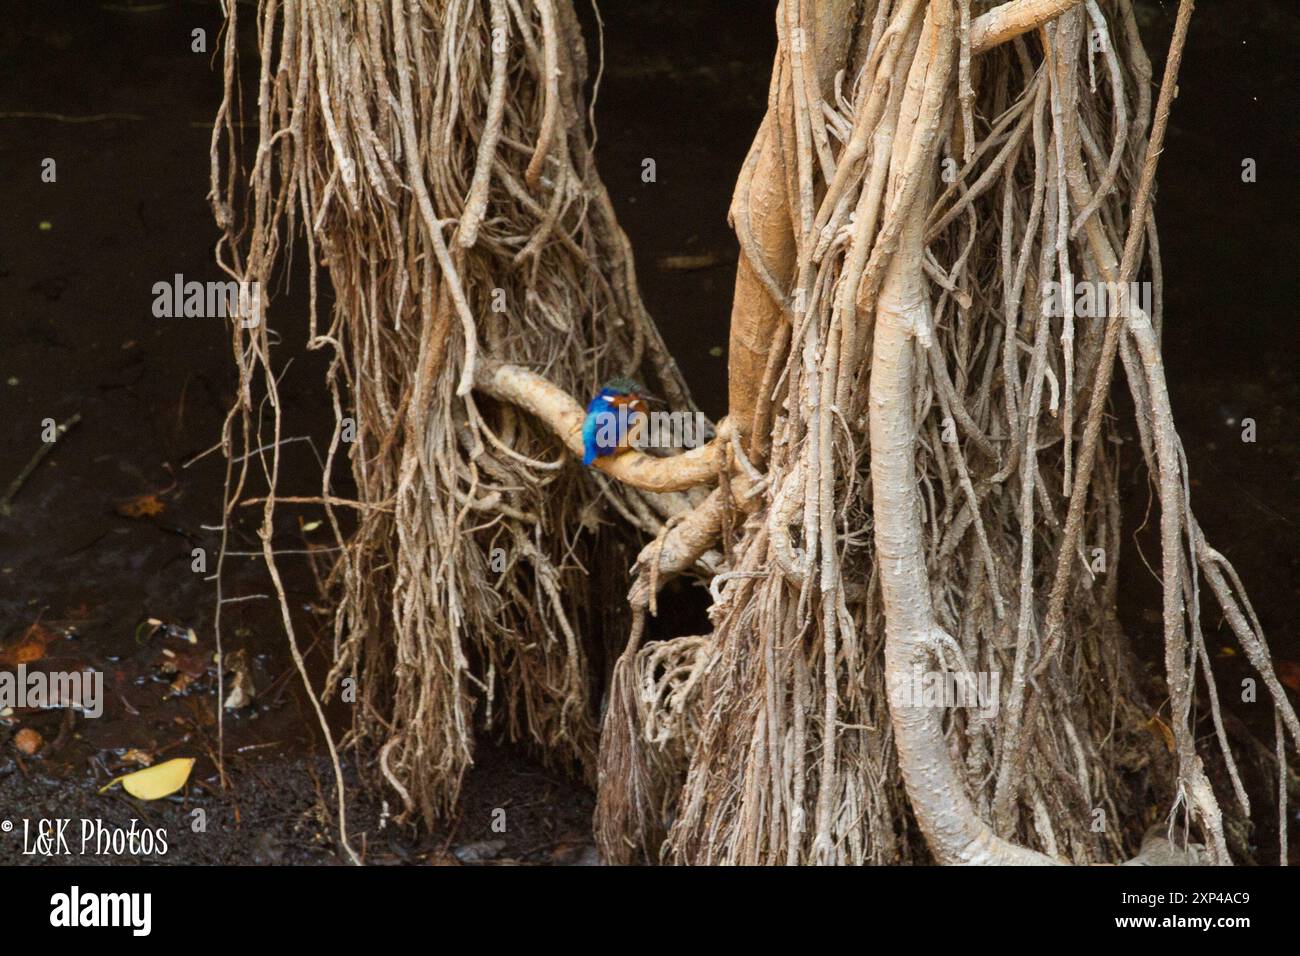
(591, 446)
(612, 419)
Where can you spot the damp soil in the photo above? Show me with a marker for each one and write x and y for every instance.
(97, 560)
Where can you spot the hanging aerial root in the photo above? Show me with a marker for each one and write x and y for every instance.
(939, 176)
(435, 158)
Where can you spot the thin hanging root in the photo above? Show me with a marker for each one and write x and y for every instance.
(476, 202)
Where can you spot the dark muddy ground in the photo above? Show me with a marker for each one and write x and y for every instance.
(101, 537)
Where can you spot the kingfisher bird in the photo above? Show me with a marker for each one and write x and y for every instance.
(614, 417)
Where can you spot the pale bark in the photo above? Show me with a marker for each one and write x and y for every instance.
(1013, 19)
(938, 796)
(761, 215)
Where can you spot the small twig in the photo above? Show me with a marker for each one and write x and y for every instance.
(6, 503)
(62, 118)
(320, 500)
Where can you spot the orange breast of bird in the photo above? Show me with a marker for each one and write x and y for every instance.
(637, 410)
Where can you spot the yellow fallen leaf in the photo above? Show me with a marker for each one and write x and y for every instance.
(311, 526)
(156, 782)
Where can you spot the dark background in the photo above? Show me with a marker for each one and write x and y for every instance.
(684, 83)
